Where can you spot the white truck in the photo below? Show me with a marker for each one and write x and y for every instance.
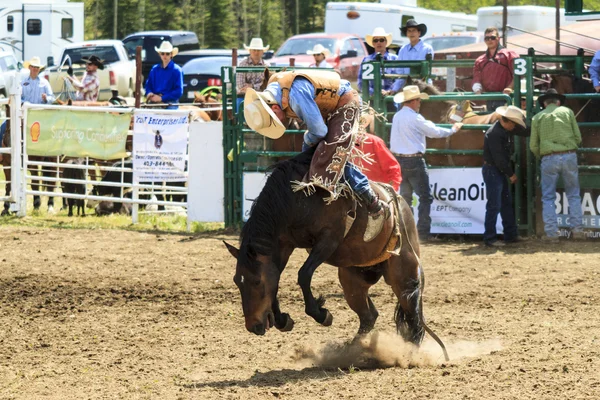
(361, 18)
(118, 73)
(39, 27)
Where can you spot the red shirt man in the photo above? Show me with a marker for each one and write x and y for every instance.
(493, 71)
(384, 168)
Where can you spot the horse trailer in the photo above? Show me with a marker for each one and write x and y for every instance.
(361, 18)
(39, 28)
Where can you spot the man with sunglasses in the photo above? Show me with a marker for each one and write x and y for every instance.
(493, 71)
(165, 81)
(379, 40)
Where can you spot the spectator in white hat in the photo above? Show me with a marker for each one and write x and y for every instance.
(36, 89)
(252, 80)
(165, 81)
(379, 40)
(320, 54)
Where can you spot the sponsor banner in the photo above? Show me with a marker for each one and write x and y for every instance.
(590, 206)
(77, 133)
(458, 201)
(159, 147)
(252, 185)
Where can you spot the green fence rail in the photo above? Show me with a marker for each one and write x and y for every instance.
(527, 68)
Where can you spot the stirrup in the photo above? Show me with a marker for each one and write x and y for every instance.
(375, 222)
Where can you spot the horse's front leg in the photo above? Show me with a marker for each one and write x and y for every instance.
(283, 321)
(323, 249)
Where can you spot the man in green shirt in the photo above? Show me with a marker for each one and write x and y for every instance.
(555, 138)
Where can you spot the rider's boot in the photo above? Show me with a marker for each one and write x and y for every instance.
(378, 210)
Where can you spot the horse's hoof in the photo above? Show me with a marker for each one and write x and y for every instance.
(328, 319)
(289, 323)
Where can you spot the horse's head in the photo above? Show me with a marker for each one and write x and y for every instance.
(257, 278)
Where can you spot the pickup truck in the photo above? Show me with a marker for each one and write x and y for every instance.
(118, 73)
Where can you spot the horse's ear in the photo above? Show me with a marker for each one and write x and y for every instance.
(409, 81)
(234, 252)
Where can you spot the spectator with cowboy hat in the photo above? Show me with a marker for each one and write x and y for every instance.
(379, 40)
(36, 89)
(165, 81)
(252, 80)
(407, 143)
(89, 86)
(497, 172)
(555, 137)
(416, 49)
(319, 53)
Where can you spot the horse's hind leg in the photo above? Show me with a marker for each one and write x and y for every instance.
(403, 274)
(356, 283)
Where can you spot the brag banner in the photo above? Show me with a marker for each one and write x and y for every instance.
(100, 135)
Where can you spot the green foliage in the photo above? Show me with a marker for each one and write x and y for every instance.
(232, 23)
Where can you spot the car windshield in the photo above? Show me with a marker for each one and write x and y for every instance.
(448, 42)
(8, 63)
(302, 45)
(206, 65)
(106, 53)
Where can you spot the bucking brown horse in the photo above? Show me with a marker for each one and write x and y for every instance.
(282, 220)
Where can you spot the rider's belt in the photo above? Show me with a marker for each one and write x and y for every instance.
(408, 155)
(560, 152)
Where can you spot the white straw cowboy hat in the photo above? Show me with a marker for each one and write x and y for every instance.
(512, 113)
(256, 44)
(379, 32)
(318, 49)
(167, 47)
(259, 115)
(34, 62)
(409, 93)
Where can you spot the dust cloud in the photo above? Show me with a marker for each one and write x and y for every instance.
(384, 350)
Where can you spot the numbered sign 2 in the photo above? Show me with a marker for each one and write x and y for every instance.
(520, 66)
(367, 72)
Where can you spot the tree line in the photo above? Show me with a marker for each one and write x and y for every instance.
(232, 23)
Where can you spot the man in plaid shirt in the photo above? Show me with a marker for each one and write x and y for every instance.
(252, 80)
(89, 87)
(555, 138)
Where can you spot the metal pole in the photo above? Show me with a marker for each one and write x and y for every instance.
(504, 20)
(138, 76)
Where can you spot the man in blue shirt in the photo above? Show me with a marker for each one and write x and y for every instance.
(330, 109)
(165, 81)
(407, 143)
(379, 40)
(416, 49)
(36, 89)
(595, 71)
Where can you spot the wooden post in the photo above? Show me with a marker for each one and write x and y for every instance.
(138, 76)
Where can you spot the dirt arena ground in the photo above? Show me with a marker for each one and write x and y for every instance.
(106, 314)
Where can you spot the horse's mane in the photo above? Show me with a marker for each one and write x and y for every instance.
(271, 209)
(424, 87)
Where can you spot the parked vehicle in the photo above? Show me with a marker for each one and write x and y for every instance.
(35, 28)
(453, 39)
(9, 65)
(346, 52)
(361, 18)
(184, 56)
(530, 18)
(183, 40)
(201, 73)
(118, 73)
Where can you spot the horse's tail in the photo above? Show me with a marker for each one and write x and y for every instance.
(427, 329)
